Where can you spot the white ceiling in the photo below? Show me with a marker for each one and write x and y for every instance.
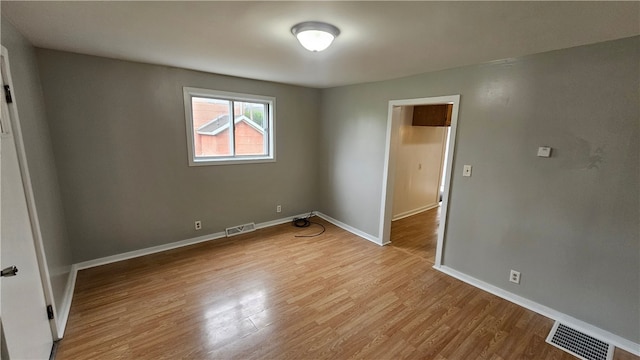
(378, 41)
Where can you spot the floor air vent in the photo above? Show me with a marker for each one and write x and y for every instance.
(579, 344)
(240, 229)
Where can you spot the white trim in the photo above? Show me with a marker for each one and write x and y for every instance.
(270, 101)
(61, 322)
(351, 229)
(236, 160)
(280, 221)
(147, 251)
(419, 210)
(586, 328)
(386, 202)
(444, 212)
(30, 199)
(389, 165)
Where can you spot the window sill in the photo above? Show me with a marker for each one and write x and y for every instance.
(236, 161)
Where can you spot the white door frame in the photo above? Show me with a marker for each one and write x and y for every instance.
(3, 343)
(388, 177)
(28, 189)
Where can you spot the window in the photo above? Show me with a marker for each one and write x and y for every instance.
(229, 128)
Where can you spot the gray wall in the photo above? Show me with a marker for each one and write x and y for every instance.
(569, 223)
(44, 180)
(118, 132)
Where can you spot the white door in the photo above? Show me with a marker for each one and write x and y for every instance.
(3, 343)
(22, 302)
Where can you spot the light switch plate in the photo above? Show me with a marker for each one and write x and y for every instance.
(466, 170)
(544, 151)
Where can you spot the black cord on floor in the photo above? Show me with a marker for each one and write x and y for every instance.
(305, 222)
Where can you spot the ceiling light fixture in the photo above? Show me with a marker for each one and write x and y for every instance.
(314, 35)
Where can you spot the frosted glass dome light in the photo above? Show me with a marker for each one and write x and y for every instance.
(315, 36)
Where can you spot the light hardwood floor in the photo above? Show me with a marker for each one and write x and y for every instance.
(270, 295)
(417, 234)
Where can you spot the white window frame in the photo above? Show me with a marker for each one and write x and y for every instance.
(190, 92)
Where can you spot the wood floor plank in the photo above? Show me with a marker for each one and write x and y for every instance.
(271, 295)
(417, 234)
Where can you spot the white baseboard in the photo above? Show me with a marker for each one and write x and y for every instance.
(147, 251)
(360, 233)
(280, 221)
(580, 325)
(406, 214)
(63, 314)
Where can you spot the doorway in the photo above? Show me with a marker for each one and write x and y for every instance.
(419, 179)
(391, 163)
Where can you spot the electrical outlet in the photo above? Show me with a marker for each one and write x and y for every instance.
(466, 170)
(514, 276)
(198, 225)
(279, 208)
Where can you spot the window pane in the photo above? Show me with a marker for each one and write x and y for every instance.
(251, 135)
(211, 134)
(229, 128)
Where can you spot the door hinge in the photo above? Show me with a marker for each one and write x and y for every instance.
(50, 312)
(7, 94)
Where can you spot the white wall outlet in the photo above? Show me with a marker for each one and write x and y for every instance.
(279, 208)
(198, 225)
(514, 276)
(466, 170)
